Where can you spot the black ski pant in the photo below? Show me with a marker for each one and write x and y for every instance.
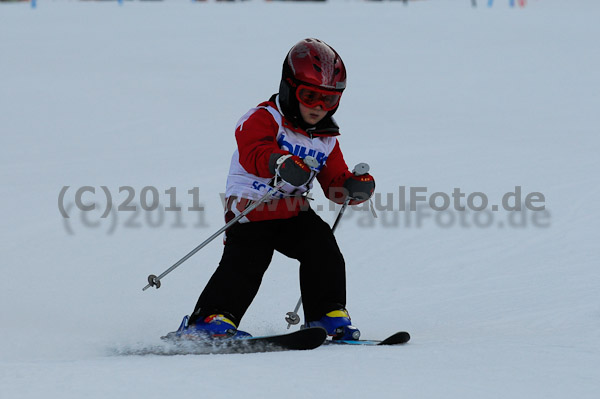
(248, 252)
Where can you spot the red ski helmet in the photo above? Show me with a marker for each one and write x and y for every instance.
(312, 63)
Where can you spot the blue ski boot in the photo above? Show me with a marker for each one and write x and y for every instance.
(213, 326)
(338, 325)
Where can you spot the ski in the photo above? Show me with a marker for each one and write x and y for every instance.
(398, 338)
(306, 339)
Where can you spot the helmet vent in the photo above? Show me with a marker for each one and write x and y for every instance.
(336, 71)
(317, 68)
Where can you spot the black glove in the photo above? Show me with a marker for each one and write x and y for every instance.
(290, 168)
(360, 188)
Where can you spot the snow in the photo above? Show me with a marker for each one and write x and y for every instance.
(440, 95)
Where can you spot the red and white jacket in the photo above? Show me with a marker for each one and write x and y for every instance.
(263, 131)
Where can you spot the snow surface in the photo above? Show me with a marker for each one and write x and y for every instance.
(439, 95)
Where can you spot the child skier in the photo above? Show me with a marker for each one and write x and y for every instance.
(273, 140)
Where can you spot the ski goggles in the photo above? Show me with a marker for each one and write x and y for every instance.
(312, 96)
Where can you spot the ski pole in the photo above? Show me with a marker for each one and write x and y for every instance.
(293, 317)
(359, 170)
(154, 281)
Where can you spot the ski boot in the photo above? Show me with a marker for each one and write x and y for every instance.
(338, 325)
(213, 326)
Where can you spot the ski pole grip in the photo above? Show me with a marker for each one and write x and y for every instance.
(361, 169)
(311, 161)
